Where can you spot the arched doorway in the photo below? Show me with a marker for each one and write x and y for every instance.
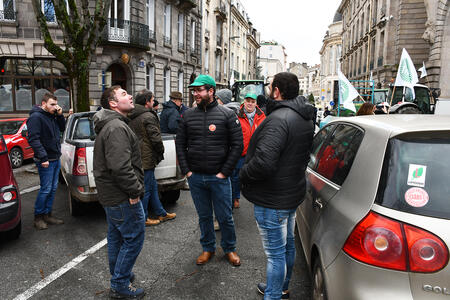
(118, 75)
(445, 58)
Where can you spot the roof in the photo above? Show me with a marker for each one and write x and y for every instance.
(396, 124)
(337, 17)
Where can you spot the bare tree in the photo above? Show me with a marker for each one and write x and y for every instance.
(81, 26)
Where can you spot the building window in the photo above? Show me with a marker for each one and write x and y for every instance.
(167, 21)
(225, 66)
(150, 78)
(180, 81)
(166, 84)
(218, 59)
(49, 11)
(193, 25)
(151, 18)
(219, 32)
(7, 10)
(180, 31)
(232, 62)
(120, 10)
(206, 61)
(23, 82)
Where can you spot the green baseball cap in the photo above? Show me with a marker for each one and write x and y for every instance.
(203, 79)
(251, 95)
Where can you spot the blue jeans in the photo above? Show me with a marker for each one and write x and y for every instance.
(235, 183)
(208, 191)
(276, 227)
(49, 183)
(151, 195)
(126, 228)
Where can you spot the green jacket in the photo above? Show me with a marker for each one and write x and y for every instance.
(145, 124)
(117, 159)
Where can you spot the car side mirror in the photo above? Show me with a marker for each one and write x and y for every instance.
(24, 133)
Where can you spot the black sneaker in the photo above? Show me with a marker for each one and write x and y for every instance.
(261, 287)
(129, 292)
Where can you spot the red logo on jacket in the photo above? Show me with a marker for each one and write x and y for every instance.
(212, 127)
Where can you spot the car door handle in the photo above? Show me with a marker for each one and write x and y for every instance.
(318, 203)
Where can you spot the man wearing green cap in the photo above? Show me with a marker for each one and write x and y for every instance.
(209, 144)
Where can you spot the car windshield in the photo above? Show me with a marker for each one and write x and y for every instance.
(10, 127)
(379, 96)
(244, 89)
(83, 129)
(415, 175)
(422, 97)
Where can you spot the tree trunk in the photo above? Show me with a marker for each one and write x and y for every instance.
(81, 86)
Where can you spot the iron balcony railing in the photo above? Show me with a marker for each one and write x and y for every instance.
(8, 13)
(180, 46)
(167, 40)
(127, 32)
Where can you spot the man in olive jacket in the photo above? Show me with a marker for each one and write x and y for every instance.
(119, 178)
(145, 124)
(209, 144)
(273, 177)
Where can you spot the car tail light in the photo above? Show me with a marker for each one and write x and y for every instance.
(8, 196)
(387, 243)
(3, 145)
(79, 163)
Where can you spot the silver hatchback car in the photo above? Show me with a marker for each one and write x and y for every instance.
(375, 222)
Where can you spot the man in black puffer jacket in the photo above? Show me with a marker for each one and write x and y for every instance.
(273, 177)
(209, 144)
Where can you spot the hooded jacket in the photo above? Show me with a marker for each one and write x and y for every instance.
(145, 124)
(247, 130)
(170, 117)
(117, 159)
(273, 175)
(44, 131)
(209, 140)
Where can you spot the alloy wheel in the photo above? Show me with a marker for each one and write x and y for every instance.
(16, 158)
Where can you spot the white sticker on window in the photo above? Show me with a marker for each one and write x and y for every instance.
(416, 175)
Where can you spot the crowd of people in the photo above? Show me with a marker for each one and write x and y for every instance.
(262, 151)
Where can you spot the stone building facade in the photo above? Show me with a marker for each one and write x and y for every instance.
(376, 31)
(330, 55)
(272, 59)
(153, 44)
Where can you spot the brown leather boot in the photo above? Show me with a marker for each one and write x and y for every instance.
(236, 203)
(39, 222)
(167, 217)
(204, 257)
(233, 259)
(152, 222)
(49, 219)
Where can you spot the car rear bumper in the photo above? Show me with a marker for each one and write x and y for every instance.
(9, 215)
(171, 184)
(347, 278)
(80, 189)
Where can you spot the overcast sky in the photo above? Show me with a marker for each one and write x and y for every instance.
(299, 25)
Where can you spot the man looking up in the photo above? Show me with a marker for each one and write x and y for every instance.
(209, 144)
(120, 183)
(273, 177)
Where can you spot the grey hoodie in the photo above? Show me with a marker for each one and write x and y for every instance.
(117, 159)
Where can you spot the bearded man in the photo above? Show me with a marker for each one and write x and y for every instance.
(209, 144)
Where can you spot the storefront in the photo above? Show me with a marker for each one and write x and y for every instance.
(23, 82)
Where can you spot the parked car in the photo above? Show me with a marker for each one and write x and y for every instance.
(10, 205)
(375, 222)
(14, 131)
(77, 150)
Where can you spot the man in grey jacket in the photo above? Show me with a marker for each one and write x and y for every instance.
(119, 177)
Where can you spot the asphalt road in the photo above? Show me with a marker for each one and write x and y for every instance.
(165, 268)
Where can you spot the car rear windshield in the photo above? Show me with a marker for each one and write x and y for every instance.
(83, 129)
(415, 177)
(10, 127)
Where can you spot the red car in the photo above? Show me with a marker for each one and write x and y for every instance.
(14, 132)
(10, 205)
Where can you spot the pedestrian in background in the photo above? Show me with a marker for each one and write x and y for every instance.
(171, 113)
(366, 109)
(145, 124)
(273, 177)
(208, 144)
(223, 96)
(120, 184)
(45, 124)
(250, 116)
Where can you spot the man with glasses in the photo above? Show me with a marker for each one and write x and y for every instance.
(120, 183)
(209, 144)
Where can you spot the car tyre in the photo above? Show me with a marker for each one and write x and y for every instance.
(319, 288)
(75, 206)
(16, 157)
(14, 233)
(170, 197)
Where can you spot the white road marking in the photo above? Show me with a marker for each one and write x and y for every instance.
(29, 190)
(58, 273)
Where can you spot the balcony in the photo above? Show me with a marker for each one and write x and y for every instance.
(8, 13)
(126, 32)
(380, 61)
(167, 41)
(186, 4)
(221, 11)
